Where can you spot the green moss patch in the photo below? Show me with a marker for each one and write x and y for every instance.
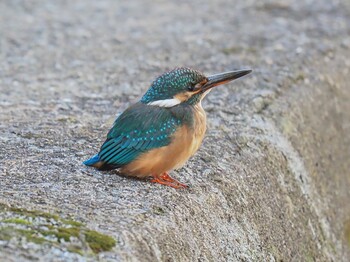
(28, 213)
(75, 249)
(31, 236)
(72, 222)
(45, 228)
(61, 233)
(17, 221)
(99, 242)
(6, 233)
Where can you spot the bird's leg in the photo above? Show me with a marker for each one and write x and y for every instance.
(167, 180)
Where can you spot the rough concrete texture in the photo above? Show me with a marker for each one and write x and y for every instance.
(271, 180)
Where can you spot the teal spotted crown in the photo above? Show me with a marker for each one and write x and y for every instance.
(171, 83)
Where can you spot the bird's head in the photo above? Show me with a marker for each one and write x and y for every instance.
(185, 85)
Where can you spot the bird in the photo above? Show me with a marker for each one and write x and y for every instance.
(164, 129)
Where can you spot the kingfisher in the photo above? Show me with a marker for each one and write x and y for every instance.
(164, 129)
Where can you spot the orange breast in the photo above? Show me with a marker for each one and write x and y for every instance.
(185, 143)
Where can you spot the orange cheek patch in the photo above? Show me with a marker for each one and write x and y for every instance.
(200, 84)
(184, 96)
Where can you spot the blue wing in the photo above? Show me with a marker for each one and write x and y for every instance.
(139, 129)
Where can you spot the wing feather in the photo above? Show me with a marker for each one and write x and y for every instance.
(133, 134)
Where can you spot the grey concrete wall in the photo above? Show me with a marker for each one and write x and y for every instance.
(271, 180)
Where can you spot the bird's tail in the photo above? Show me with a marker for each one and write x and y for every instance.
(94, 161)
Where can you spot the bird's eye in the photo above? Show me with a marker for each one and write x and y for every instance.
(191, 87)
(194, 86)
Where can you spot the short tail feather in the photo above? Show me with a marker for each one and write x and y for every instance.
(92, 161)
(95, 161)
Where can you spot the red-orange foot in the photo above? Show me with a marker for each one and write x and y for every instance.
(167, 180)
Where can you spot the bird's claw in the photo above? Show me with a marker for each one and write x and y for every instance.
(167, 180)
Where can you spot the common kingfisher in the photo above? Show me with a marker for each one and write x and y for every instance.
(164, 129)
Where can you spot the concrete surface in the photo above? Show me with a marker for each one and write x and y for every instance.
(271, 180)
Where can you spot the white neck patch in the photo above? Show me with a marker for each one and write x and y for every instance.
(205, 93)
(165, 103)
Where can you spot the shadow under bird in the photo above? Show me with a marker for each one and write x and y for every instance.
(164, 129)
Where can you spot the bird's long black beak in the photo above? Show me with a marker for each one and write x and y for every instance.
(223, 78)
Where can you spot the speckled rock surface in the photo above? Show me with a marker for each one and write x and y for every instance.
(271, 180)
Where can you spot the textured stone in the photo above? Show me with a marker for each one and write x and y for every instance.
(271, 181)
